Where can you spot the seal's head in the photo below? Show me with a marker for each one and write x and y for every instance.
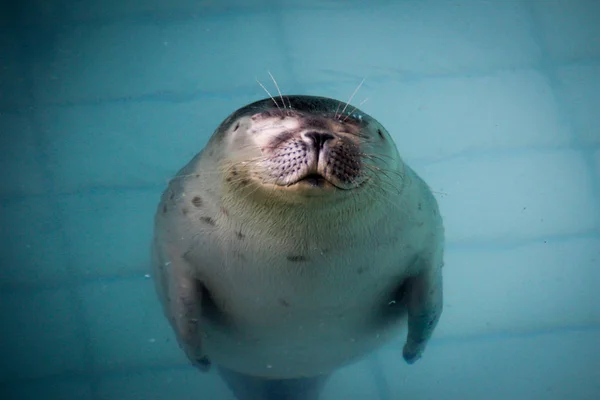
(307, 148)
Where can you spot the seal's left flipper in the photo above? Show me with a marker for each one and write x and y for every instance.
(424, 303)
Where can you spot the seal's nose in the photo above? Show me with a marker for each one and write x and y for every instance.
(318, 139)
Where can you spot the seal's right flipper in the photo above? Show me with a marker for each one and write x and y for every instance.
(425, 303)
(247, 387)
(181, 296)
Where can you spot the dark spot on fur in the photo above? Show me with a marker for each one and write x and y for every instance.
(234, 172)
(211, 153)
(184, 210)
(420, 207)
(171, 195)
(164, 209)
(244, 182)
(228, 179)
(197, 201)
(237, 126)
(294, 258)
(284, 303)
(361, 270)
(380, 133)
(208, 220)
(240, 235)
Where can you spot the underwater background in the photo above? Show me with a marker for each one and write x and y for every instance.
(495, 103)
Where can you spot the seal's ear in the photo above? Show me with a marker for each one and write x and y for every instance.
(425, 303)
(182, 301)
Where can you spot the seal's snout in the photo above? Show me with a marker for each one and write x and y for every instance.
(311, 153)
(318, 139)
(309, 146)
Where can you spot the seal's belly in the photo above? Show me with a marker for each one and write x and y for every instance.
(300, 317)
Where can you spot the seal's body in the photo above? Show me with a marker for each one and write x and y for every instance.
(296, 242)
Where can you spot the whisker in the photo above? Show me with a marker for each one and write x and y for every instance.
(255, 188)
(277, 86)
(336, 110)
(386, 191)
(390, 171)
(355, 108)
(351, 97)
(379, 174)
(377, 156)
(269, 93)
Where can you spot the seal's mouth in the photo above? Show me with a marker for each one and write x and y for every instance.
(318, 182)
(314, 180)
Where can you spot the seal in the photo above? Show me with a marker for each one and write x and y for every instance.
(296, 242)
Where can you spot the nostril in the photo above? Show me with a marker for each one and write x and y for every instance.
(318, 139)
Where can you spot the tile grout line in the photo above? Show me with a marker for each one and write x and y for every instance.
(288, 59)
(125, 371)
(80, 309)
(373, 362)
(181, 97)
(417, 162)
(81, 328)
(549, 69)
(178, 96)
(491, 246)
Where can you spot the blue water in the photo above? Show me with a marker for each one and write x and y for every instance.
(495, 103)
